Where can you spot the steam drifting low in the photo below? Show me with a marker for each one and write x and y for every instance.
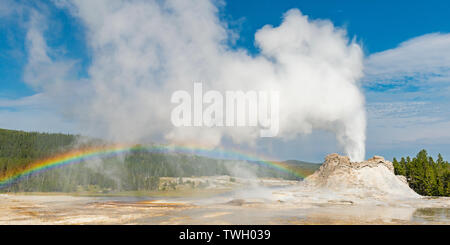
(142, 51)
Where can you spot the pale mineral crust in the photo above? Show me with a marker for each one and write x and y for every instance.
(374, 177)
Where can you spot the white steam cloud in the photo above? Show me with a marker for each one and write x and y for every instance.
(143, 51)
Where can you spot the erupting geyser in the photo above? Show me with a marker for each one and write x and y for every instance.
(143, 51)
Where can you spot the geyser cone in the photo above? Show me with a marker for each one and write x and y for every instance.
(372, 178)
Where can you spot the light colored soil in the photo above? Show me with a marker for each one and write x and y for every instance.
(292, 204)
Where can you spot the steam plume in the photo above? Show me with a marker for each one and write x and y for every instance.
(142, 51)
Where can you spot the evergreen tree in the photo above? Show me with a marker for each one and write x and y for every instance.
(424, 175)
(138, 170)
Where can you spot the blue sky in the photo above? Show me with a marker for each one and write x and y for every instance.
(405, 43)
(379, 25)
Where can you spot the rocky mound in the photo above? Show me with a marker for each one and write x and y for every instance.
(372, 178)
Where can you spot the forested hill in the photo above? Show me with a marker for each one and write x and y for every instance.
(18, 148)
(142, 170)
(137, 171)
(305, 167)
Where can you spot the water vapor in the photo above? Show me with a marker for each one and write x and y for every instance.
(143, 51)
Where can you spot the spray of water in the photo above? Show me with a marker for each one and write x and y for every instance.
(142, 51)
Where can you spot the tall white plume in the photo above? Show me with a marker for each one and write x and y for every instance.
(142, 51)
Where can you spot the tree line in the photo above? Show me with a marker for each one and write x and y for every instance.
(137, 170)
(141, 170)
(425, 175)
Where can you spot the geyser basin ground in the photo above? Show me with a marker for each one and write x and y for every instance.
(340, 192)
(272, 202)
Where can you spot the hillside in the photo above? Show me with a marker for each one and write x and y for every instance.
(136, 171)
(305, 167)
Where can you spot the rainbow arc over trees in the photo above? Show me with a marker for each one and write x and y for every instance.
(109, 151)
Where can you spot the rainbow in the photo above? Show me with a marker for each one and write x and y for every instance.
(108, 151)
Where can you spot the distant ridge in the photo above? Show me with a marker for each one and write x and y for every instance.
(137, 171)
(306, 167)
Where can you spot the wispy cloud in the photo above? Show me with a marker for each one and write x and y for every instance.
(6, 8)
(34, 101)
(407, 89)
(418, 62)
(34, 113)
(35, 119)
